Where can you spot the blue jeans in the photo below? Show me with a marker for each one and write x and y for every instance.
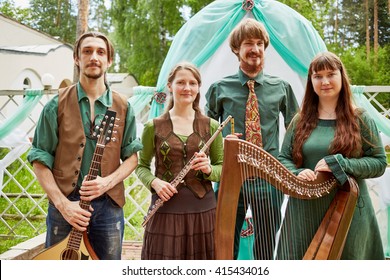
(105, 231)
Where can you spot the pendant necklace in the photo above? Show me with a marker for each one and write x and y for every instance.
(329, 115)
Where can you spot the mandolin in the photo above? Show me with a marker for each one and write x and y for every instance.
(76, 245)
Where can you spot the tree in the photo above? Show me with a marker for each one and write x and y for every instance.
(314, 11)
(82, 17)
(82, 27)
(367, 12)
(100, 18)
(375, 32)
(22, 15)
(55, 17)
(144, 31)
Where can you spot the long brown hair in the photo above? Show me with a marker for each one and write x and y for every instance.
(347, 140)
(192, 68)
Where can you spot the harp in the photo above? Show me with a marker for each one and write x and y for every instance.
(244, 161)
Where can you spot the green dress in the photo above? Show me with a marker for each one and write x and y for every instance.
(363, 240)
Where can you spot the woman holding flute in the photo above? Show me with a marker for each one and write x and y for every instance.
(183, 227)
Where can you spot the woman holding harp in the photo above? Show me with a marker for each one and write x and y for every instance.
(183, 227)
(331, 135)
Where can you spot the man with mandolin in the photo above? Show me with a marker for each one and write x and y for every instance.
(84, 146)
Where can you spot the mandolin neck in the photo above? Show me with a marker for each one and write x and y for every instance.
(76, 235)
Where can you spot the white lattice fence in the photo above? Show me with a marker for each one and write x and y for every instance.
(22, 201)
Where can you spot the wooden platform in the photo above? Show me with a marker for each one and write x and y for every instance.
(131, 250)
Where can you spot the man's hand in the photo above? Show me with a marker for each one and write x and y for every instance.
(75, 215)
(92, 189)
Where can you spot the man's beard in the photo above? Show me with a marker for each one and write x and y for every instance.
(93, 76)
(251, 69)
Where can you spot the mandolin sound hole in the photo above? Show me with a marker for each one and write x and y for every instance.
(69, 254)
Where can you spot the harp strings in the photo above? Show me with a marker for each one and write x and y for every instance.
(283, 226)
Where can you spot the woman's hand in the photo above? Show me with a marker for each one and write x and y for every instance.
(307, 174)
(233, 136)
(201, 162)
(322, 166)
(163, 189)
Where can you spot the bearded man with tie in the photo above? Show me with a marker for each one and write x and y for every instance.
(255, 100)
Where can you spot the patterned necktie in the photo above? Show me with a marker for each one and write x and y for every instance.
(252, 117)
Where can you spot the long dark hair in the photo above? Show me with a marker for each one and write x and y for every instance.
(347, 139)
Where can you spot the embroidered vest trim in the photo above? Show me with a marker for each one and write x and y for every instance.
(172, 154)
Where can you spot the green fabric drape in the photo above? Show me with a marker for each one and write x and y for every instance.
(141, 97)
(361, 100)
(387, 249)
(292, 36)
(30, 100)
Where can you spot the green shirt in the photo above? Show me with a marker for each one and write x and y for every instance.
(229, 95)
(46, 133)
(143, 170)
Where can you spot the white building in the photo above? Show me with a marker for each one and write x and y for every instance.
(27, 54)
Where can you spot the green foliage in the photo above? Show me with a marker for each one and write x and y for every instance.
(140, 194)
(144, 31)
(55, 17)
(22, 15)
(100, 17)
(314, 11)
(362, 70)
(19, 204)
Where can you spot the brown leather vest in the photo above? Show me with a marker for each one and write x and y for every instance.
(71, 141)
(172, 154)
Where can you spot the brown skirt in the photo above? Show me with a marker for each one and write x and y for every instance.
(187, 236)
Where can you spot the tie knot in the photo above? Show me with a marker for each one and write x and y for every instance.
(251, 85)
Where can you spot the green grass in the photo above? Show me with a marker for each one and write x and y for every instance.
(388, 156)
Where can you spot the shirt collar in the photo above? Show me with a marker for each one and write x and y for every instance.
(244, 78)
(105, 98)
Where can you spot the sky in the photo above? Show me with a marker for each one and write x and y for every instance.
(25, 3)
(22, 3)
